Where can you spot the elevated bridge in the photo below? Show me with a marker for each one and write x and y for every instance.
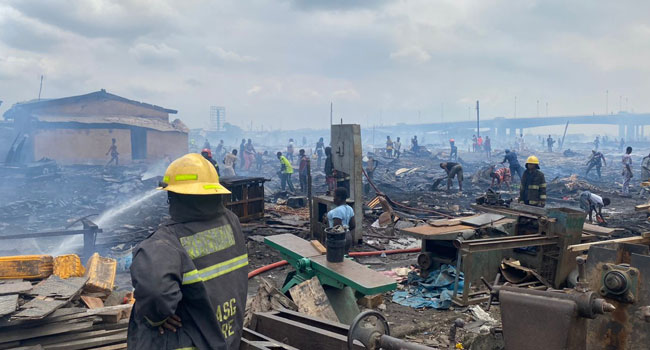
(630, 125)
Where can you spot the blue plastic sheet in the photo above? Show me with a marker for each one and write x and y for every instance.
(435, 291)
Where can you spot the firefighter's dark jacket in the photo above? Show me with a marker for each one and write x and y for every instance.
(193, 266)
(533, 188)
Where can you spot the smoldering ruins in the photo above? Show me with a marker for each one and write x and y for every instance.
(444, 268)
(425, 175)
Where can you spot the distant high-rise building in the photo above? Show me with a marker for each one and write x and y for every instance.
(217, 118)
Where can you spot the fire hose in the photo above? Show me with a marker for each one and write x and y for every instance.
(354, 254)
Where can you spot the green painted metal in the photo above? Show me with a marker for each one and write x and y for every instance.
(344, 303)
(306, 269)
(328, 275)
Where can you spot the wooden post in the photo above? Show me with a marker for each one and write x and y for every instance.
(564, 135)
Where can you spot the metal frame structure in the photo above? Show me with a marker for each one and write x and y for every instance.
(89, 232)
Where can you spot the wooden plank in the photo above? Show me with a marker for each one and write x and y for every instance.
(112, 347)
(15, 288)
(108, 310)
(444, 222)
(8, 304)
(89, 343)
(58, 315)
(26, 266)
(37, 309)
(114, 316)
(92, 302)
(585, 246)
(66, 337)
(41, 331)
(599, 230)
(312, 300)
(58, 288)
(31, 347)
(642, 207)
(319, 246)
(430, 232)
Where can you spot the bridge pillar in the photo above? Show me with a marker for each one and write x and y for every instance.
(628, 133)
(642, 132)
(621, 130)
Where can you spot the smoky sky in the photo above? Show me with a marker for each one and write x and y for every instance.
(280, 63)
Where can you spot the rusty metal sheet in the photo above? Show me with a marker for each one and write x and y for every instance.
(551, 319)
(482, 219)
(151, 123)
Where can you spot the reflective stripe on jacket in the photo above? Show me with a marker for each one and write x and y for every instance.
(196, 270)
(533, 188)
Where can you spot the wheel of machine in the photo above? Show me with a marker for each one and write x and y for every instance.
(368, 327)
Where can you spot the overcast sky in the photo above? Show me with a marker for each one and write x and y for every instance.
(280, 63)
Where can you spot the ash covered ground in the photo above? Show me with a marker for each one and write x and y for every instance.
(128, 208)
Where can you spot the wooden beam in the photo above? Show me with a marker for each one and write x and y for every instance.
(48, 329)
(585, 246)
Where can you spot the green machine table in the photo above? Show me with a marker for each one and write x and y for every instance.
(308, 262)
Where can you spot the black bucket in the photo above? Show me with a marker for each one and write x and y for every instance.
(335, 246)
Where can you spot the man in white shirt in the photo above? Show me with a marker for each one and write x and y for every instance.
(590, 203)
(627, 171)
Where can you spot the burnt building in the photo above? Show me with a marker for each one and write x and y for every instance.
(79, 129)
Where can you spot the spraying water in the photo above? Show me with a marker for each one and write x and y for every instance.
(105, 220)
(156, 169)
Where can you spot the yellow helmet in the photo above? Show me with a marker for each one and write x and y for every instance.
(192, 174)
(532, 160)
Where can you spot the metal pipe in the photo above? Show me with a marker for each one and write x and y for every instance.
(390, 343)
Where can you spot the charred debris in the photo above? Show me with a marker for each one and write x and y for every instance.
(429, 268)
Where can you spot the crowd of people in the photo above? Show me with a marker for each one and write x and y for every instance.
(246, 160)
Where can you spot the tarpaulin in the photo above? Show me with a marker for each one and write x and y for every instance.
(435, 291)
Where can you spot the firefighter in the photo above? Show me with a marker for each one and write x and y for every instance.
(533, 184)
(190, 276)
(207, 154)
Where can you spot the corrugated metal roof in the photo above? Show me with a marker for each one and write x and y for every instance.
(155, 124)
(101, 94)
